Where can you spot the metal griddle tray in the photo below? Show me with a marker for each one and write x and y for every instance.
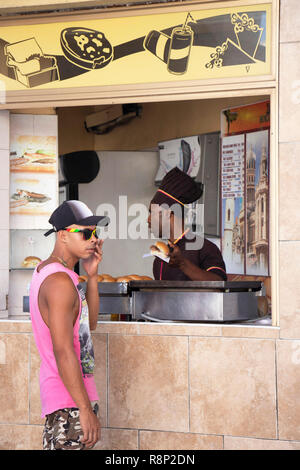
(214, 286)
(185, 301)
(125, 288)
(181, 300)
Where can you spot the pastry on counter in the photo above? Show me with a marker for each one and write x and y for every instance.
(107, 278)
(123, 279)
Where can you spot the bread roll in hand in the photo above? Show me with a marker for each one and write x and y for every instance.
(160, 249)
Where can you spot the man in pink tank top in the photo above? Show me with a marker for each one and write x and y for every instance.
(62, 317)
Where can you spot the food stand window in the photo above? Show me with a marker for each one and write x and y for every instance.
(170, 53)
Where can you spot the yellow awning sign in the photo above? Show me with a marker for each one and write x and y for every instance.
(165, 47)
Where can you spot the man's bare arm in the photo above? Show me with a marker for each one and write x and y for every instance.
(92, 297)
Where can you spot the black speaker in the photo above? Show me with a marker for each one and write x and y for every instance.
(79, 167)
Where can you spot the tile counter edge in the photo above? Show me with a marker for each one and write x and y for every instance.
(22, 323)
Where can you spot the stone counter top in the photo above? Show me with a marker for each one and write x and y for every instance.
(22, 324)
(166, 385)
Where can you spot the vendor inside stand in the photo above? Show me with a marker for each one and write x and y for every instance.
(206, 263)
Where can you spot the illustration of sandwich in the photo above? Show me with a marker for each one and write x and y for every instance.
(17, 162)
(30, 65)
(22, 197)
(86, 48)
(41, 156)
(40, 160)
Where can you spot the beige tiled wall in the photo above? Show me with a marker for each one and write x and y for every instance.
(169, 390)
(289, 169)
(148, 382)
(232, 387)
(288, 379)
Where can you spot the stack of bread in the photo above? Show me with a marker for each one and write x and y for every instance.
(125, 278)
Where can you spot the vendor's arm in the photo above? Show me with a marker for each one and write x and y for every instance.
(191, 270)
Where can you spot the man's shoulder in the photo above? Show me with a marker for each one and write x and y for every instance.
(58, 281)
(210, 249)
(208, 244)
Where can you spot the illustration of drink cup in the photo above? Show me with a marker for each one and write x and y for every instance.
(159, 44)
(180, 47)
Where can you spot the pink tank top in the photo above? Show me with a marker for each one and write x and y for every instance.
(54, 395)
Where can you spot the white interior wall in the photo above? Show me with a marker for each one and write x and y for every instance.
(131, 174)
(19, 279)
(4, 206)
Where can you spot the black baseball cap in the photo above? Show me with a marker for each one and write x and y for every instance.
(74, 212)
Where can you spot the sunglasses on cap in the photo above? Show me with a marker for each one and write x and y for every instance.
(87, 233)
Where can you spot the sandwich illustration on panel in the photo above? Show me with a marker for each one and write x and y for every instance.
(31, 67)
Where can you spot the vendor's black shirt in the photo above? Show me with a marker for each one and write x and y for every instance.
(208, 258)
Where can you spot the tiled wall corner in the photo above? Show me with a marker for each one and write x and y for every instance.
(289, 194)
(289, 21)
(289, 169)
(288, 380)
(289, 294)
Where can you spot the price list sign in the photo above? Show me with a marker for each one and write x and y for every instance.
(233, 152)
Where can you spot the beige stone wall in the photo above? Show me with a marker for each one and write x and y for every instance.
(289, 169)
(193, 386)
(166, 387)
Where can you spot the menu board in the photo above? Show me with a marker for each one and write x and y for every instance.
(245, 189)
(233, 149)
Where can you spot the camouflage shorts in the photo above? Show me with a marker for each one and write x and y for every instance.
(62, 429)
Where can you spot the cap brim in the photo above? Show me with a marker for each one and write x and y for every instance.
(100, 220)
(52, 230)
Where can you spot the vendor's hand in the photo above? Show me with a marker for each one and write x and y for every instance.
(176, 256)
(90, 264)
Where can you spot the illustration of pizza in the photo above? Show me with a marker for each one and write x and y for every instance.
(86, 48)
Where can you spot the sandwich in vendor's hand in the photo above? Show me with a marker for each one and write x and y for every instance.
(166, 217)
(161, 250)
